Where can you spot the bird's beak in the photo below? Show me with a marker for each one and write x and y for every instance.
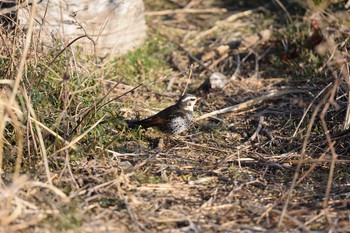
(198, 99)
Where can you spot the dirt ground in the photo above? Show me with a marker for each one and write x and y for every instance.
(277, 161)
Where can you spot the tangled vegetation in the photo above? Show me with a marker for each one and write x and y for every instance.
(269, 151)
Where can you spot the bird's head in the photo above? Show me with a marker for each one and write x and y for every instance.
(187, 102)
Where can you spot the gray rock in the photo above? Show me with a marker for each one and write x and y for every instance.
(116, 26)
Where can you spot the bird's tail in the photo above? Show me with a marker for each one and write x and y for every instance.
(133, 123)
(145, 123)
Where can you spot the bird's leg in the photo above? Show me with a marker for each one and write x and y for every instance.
(161, 144)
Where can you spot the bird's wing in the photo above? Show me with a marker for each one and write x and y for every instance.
(160, 119)
(153, 121)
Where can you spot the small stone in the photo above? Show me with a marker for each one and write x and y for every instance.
(125, 164)
(217, 80)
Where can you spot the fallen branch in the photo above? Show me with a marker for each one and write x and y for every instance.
(186, 10)
(258, 129)
(250, 103)
(228, 20)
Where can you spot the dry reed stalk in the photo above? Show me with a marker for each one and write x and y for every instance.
(18, 209)
(78, 138)
(19, 72)
(39, 135)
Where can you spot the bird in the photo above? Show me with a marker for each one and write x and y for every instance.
(174, 119)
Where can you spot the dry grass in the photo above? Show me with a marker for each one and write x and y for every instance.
(272, 162)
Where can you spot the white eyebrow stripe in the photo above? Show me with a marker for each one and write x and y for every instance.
(189, 98)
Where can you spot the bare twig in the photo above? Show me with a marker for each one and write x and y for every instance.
(56, 135)
(29, 34)
(133, 216)
(78, 138)
(186, 11)
(235, 74)
(303, 153)
(39, 134)
(250, 103)
(329, 141)
(68, 45)
(285, 10)
(189, 78)
(198, 61)
(309, 107)
(57, 191)
(229, 19)
(258, 129)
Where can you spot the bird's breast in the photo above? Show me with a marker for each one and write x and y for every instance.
(180, 124)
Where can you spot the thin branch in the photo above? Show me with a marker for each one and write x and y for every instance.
(303, 153)
(272, 94)
(187, 11)
(329, 141)
(68, 45)
(309, 107)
